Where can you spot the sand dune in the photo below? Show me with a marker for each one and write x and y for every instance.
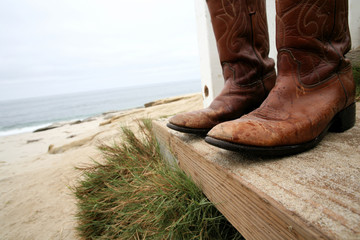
(37, 169)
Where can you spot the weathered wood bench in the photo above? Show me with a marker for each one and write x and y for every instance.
(313, 195)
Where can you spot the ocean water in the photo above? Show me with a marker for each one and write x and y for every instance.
(25, 115)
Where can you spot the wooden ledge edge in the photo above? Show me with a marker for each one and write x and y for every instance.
(252, 212)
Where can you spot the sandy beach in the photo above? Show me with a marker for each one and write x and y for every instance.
(37, 170)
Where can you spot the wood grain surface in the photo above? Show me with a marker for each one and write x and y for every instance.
(313, 195)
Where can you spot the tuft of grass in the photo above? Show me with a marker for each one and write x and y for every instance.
(135, 194)
(356, 74)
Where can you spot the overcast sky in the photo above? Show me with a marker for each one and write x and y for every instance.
(52, 47)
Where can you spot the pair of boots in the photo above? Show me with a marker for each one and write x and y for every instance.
(313, 92)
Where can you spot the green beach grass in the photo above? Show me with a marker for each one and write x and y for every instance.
(135, 194)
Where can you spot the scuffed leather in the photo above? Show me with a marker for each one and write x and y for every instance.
(241, 34)
(314, 80)
(233, 102)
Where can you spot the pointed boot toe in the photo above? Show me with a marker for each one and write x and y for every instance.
(196, 122)
(222, 132)
(244, 134)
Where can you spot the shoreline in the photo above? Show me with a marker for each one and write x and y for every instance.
(37, 169)
(59, 123)
(36, 111)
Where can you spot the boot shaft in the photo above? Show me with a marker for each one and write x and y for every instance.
(316, 34)
(240, 28)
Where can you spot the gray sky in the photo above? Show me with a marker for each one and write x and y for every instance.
(52, 47)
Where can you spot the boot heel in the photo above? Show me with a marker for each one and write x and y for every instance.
(344, 120)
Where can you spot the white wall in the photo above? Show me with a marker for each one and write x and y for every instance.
(211, 74)
(354, 22)
(210, 69)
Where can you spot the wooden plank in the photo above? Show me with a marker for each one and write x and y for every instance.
(313, 195)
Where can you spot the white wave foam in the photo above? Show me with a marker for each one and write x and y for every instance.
(21, 130)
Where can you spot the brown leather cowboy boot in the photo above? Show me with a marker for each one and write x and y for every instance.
(240, 28)
(314, 91)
